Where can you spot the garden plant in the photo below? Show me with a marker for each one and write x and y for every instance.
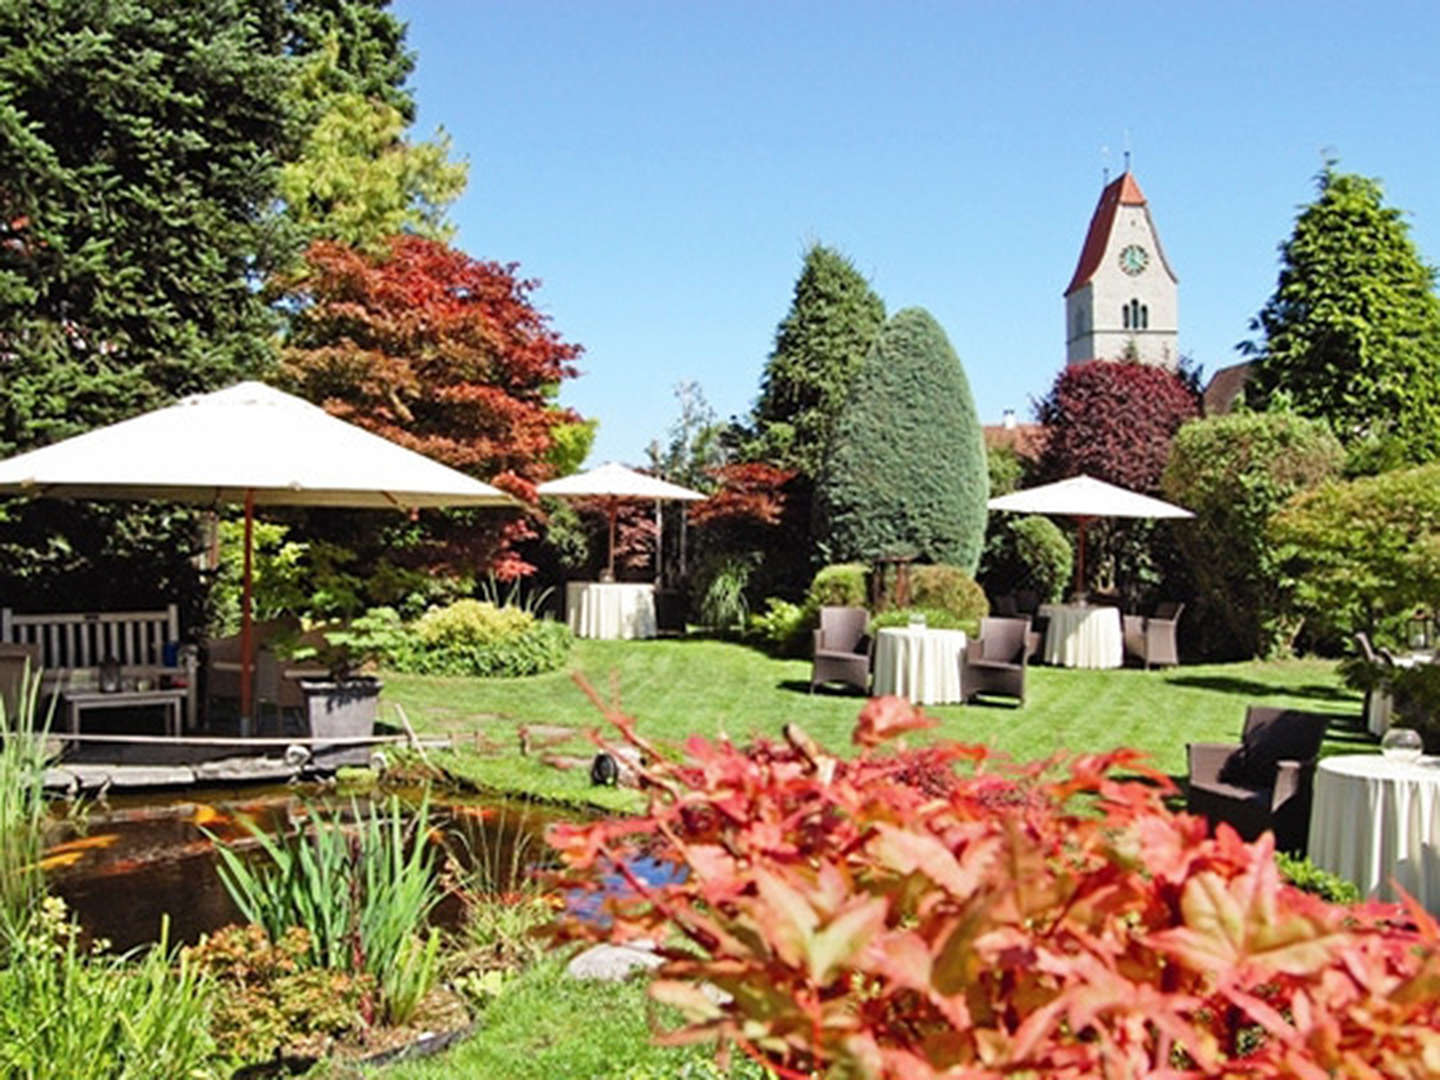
(892, 916)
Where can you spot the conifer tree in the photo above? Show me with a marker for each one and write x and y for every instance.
(906, 472)
(1352, 332)
(819, 346)
(139, 152)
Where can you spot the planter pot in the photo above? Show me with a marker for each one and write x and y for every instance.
(341, 708)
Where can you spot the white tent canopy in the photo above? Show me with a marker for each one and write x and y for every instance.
(248, 444)
(247, 441)
(1084, 498)
(614, 481)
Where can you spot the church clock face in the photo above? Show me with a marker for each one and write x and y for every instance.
(1133, 259)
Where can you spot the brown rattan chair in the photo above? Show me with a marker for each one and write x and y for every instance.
(1264, 781)
(1152, 639)
(995, 662)
(1004, 604)
(842, 651)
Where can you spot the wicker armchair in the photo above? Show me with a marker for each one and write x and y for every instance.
(995, 662)
(1152, 639)
(842, 651)
(1264, 782)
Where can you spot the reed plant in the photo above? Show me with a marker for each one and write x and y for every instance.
(22, 805)
(68, 1012)
(362, 884)
(505, 900)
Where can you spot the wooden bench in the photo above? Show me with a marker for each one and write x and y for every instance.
(74, 645)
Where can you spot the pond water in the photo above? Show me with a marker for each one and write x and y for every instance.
(124, 864)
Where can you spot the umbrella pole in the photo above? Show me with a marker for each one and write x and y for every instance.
(612, 539)
(247, 643)
(1080, 523)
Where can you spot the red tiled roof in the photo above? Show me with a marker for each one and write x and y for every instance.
(1122, 191)
(1226, 385)
(1027, 440)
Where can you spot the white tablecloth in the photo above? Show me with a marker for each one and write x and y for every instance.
(1375, 820)
(919, 664)
(1082, 636)
(1377, 714)
(610, 610)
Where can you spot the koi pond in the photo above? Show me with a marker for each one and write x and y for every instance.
(124, 863)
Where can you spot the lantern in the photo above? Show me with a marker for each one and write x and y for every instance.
(110, 675)
(1422, 630)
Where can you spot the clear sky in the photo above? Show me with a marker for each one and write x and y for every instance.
(661, 167)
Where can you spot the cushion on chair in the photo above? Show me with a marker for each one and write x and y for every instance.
(1264, 744)
(1232, 792)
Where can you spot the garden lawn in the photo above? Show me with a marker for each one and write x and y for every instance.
(676, 688)
(547, 1026)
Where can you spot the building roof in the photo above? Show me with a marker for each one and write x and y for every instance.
(1226, 385)
(1027, 440)
(1122, 191)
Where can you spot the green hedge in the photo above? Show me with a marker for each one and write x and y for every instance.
(1235, 473)
(841, 585)
(948, 589)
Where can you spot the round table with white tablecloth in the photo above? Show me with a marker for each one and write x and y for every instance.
(1374, 820)
(610, 609)
(919, 664)
(1083, 636)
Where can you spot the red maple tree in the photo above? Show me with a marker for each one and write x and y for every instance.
(442, 353)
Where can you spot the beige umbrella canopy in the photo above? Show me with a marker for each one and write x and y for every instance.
(614, 482)
(1084, 498)
(249, 444)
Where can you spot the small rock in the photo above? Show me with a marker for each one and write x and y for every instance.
(612, 963)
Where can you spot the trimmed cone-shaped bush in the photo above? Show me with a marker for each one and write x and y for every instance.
(906, 472)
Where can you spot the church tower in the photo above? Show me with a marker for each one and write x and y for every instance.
(1124, 298)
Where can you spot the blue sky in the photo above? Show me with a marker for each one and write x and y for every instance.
(662, 167)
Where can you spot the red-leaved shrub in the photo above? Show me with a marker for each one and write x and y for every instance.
(943, 912)
(1113, 420)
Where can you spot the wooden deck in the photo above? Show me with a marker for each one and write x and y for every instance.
(95, 763)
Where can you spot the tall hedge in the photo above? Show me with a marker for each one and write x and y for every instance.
(906, 471)
(1235, 472)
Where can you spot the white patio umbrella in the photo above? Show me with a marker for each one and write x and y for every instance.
(249, 444)
(614, 482)
(1084, 498)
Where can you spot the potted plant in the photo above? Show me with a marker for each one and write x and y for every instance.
(344, 703)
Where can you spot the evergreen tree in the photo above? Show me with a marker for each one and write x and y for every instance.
(139, 145)
(139, 150)
(819, 346)
(906, 471)
(1352, 332)
(358, 180)
(371, 60)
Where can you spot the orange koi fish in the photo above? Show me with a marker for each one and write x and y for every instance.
(82, 845)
